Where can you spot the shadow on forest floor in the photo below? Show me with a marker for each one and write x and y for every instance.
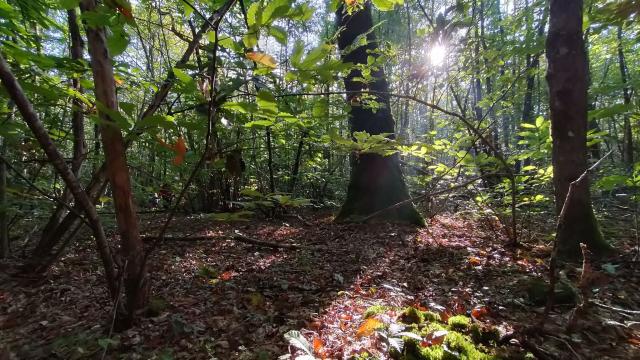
(228, 300)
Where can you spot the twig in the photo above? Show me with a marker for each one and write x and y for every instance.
(566, 343)
(245, 239)
(605, 306)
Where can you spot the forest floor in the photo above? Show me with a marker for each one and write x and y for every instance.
(223, 299)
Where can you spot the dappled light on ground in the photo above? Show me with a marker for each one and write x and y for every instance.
(229, 300)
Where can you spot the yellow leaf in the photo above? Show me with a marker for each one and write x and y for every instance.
(262, 58)
(368, 327)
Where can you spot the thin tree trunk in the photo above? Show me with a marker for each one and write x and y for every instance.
(296, 163)
(47, 241)
(4, 228)
(272, 184)
(33, 121)
(627, 142)
(135, 284)
(567, 79)
(99, 178)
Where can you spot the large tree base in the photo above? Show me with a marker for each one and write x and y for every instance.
(585, 231)
(377, 183)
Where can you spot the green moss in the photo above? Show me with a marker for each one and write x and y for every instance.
(462, 345)
(432, 353)
(412, 315)
(484, 334)
(431, 316)
(375, 310)
(459, 323)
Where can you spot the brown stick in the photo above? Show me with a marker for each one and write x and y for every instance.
(236, 236)
(247, 240)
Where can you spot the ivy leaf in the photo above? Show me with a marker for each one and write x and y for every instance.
(262, 58)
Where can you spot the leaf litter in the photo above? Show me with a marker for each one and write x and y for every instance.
(221, 299)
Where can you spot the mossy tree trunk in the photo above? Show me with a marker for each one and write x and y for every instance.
(376, 181)
(567, 79)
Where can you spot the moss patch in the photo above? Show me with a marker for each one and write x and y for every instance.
(426, 337)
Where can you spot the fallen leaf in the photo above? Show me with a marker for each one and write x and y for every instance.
(474, 261)
(318, 346)
(227, 275)
(368, 327)
(479, 312)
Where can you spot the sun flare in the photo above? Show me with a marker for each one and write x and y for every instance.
(437, 55)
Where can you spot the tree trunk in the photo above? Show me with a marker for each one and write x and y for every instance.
(627, 142)
(4, 228)
(135, 284)
(33, 121)
(567, 79)
(47, 240)
(272, 184)
(99, 178)
(376, 181)
(296, 163)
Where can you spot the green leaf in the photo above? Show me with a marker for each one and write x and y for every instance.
(188, 10)
(296, 55)
(128, 108)
(264, 123)
(163, 121)
(275, 9)
(386, 5)
(118, 41)
(267, 102)
(68, 4)
(279, 34)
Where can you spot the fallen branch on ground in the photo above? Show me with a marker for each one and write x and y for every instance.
(236, 236)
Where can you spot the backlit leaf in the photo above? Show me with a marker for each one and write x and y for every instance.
(262, 58)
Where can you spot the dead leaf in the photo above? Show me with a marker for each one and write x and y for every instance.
(262, 58)
(479, 312)
(318, 346)
(368, 327)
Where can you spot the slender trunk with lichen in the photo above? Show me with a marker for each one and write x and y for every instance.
(376, 181)
(567, 79)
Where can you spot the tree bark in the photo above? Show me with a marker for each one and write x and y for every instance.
(135, 284)
(99, 178)
(4, 227)
(33, 121)
(47, 241)
(627, 138)
(296, 163)
(376, 181)
(272, 184)
(567, 79)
